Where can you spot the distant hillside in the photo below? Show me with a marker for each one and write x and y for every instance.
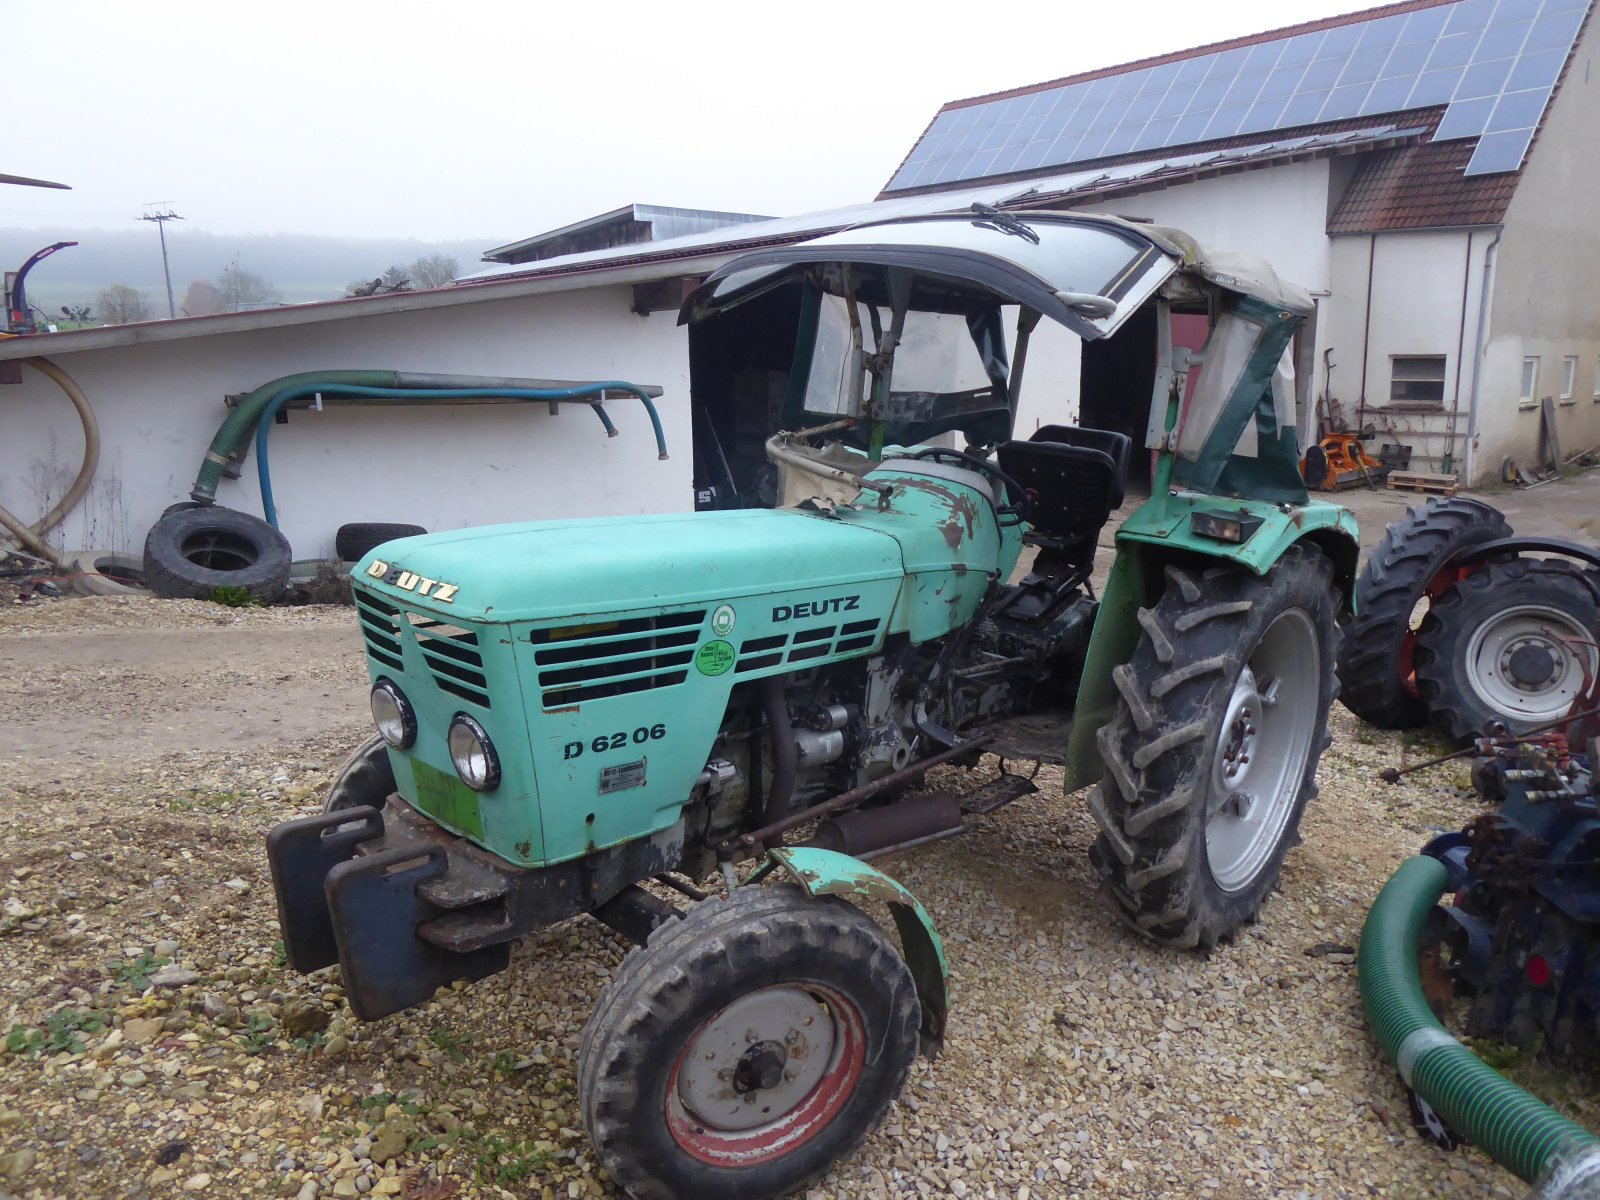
(300, 267)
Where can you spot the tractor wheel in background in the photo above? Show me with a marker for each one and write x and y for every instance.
(1406, 567)
(1211, 756)
(747, 1047)
(195, 551)
(367, 778)
(1492, 648)
(354, 542)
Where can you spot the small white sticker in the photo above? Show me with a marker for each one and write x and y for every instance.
(622, 776)
(722, 620)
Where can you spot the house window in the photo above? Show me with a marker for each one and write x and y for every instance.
(1530, 381)
(1417, 379)
(1597, 383)
(1569, 377)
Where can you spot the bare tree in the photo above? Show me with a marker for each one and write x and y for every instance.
(434, 270)
(120, 304)
(396, 278)
(240, 288)
(201, 300)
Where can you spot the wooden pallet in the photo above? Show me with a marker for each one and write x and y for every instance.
(1417, 481)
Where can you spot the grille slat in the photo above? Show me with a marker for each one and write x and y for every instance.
(449, 653)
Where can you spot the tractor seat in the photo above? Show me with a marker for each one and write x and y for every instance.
(1075, 477)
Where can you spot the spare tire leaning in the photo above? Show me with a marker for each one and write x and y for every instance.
(355, 541)
(193, 552)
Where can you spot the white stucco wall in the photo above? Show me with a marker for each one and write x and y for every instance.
(1420, 283)
(1545, 300)
(159, 405)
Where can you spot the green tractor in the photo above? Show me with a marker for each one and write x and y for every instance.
(586, 716)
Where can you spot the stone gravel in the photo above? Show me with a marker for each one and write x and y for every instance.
(157, 1047)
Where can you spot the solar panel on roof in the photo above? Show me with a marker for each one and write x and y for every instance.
(1493, 62)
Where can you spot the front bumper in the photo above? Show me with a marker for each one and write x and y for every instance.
(405, 907)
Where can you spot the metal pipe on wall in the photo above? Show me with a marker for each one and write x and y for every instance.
(1471, 455)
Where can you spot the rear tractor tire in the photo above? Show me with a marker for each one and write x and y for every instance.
(1511, 642)
(1211, 756)
(1406, 567)
(367, 778)
(744, 1049)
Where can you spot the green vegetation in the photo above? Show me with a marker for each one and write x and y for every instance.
(59, 1035)
(234, 597)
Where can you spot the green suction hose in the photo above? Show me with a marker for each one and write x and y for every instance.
(1522, 1134)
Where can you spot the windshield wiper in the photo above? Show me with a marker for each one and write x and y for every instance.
(1002, 222)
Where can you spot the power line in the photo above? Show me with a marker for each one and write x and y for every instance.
(161, 215)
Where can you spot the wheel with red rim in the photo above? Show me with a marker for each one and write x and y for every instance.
(746, 1048)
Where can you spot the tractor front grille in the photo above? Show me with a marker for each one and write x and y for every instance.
(453, 658)
(578, 663)
(449, 653)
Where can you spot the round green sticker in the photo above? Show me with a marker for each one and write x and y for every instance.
(714, 658)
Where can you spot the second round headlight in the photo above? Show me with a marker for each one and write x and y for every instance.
(473, 754)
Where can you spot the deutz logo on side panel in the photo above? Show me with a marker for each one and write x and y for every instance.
(815, 608)
(434, 589)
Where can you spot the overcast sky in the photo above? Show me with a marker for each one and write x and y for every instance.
(493, 119)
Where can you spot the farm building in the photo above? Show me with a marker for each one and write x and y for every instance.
(1423, 168)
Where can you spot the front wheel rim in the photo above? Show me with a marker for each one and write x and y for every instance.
(1517, 664)
(766, 1074)
(1262, 750)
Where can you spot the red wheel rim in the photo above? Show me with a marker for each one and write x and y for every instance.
(800, 1123)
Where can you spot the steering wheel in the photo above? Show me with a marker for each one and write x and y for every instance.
(1021, 502)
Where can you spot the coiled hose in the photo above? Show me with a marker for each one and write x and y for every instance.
(417, 395)
(1520, 1132)
(33, 536)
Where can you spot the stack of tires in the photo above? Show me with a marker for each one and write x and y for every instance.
(1456, 640)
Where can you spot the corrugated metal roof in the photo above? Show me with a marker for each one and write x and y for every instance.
(664, 223)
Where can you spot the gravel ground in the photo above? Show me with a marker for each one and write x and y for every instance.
(158, 1047)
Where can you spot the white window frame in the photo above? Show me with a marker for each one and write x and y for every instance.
(1396, 377)
(1597, 381)
(1530, 388)
(1569, 378)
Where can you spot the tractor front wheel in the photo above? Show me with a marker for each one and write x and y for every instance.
(366, 778)
(747, 1047)
(1211, 756)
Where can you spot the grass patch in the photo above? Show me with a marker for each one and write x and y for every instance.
(504, 1161)
(454, 1045)
(230, 596)
(60, 1034)
(136, 972)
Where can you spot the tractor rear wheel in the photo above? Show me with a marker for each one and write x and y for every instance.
(1211, 756)
(744, 1049)
(1513, 642)
(1375, 662)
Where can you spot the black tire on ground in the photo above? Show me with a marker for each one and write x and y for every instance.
(1375, 662)
(194, 551)
(1230, 667)
(671, 1097)
(1488, 649)
(354, 542)
(183, 506)
(367, 777)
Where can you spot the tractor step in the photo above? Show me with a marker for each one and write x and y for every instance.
(1417, 481)
(997, 793)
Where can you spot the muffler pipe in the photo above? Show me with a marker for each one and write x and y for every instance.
(867, 830)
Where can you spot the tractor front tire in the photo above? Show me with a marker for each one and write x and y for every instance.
(1511, 642)
(367, 778)
(1375, 662)
(1212, 754)
(744, 1049)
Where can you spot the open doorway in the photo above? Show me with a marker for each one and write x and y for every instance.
(739, 364)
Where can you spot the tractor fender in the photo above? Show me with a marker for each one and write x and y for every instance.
(829, 873)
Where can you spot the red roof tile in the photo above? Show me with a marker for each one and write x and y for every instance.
(1421, 186)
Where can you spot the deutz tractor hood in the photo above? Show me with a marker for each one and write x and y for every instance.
(548, 570)
(1089, 273)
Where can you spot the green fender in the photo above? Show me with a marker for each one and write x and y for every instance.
(827, 872)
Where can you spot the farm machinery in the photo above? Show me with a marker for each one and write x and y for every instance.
(596, 717)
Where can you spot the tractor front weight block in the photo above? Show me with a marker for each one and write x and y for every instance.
(339, 903)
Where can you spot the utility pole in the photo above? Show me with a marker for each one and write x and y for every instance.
(161, 215)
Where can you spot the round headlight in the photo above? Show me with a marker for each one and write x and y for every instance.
(393, 715)
(473, 754)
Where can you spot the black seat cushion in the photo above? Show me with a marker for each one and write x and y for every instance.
(1075, 477)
